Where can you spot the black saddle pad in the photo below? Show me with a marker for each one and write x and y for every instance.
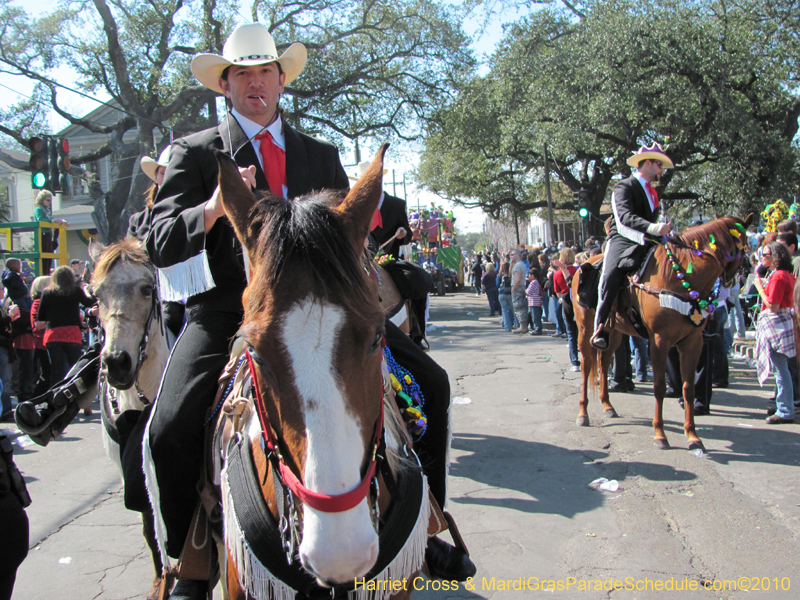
(588, 284)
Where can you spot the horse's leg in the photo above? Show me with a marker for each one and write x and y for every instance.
(689, 354)
(659, 348)
(162, 582)
(588, 365)
(149, 531)
(605, 358)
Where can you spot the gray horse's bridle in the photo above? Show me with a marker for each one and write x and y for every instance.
(155, 312)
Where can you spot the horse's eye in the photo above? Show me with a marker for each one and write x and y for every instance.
(256, 358)
(147, 291)
(376, 343)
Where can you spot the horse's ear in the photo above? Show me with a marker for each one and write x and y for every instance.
(95, 250)
(237, 200)
(362, 201)
(748, 221)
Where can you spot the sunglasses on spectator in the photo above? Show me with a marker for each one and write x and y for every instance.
(763, 254)
(657, 162)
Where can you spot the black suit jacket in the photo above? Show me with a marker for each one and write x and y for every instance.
(177, 230)
(394, 215)
(632, 212)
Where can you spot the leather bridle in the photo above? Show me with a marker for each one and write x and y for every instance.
(288, 486)
(155, 312)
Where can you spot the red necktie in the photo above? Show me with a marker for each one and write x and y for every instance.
(377, 220)
(652, 190)
(274, 163)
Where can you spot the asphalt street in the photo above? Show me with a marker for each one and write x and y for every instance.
(519, 487)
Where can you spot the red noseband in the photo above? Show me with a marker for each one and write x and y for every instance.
(315, 500)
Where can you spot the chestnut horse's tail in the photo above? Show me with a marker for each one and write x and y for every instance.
(591, 356)
(595, 359)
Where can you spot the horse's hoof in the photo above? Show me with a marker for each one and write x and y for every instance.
(611, 414)
(582, 421)
(697, 448)
(661, 443)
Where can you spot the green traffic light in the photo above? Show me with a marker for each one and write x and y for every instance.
(583, 212)
(38, 180)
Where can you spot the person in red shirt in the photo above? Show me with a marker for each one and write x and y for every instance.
(775, 341)
(562, 278)
(41, 358)
(60, 310)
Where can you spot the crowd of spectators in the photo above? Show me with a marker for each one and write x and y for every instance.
(530, 287)
(44, 328)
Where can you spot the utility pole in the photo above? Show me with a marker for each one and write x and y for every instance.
(549, 200)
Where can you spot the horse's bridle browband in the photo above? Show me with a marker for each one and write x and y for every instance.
(322, 502)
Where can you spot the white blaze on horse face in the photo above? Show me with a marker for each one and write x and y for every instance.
(336, 546)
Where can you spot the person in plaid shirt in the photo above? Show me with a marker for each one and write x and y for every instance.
(775, 333)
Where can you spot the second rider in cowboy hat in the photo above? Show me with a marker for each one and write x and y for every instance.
(636, 208)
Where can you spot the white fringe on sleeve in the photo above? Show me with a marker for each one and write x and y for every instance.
(186, 279)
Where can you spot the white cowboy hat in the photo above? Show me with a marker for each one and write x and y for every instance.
(150, 166)
(653, 152)
(249, 44)
(362, 168)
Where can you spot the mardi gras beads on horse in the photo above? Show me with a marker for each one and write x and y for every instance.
(709, 305)
(409, 397)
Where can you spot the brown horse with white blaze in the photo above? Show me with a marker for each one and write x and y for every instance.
(313, 331)
(676, 285)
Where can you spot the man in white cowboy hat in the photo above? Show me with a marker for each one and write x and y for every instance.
(390, 227)
(155, 169)
(636, 208)
(200, 259)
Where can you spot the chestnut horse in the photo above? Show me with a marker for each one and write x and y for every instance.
(681, 274)
(310, 446)
(134, 353)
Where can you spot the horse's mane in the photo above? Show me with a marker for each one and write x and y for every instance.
(128, 250)
(720, 229)
(305, 235)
